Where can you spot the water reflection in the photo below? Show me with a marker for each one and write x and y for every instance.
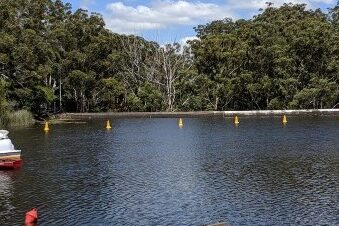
(150, 172)
(6, 189)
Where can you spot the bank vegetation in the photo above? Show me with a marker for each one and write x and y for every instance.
(53, 59)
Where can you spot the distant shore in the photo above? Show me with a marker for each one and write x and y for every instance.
(196, 114)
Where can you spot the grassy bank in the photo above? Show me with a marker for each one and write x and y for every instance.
(3, 119)
(16, 118)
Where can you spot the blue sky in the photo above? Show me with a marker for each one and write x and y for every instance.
(173, 20)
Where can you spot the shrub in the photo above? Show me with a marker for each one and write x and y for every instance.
(21, 118)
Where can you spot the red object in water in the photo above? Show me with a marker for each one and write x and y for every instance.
(10, 164)
(31, 216)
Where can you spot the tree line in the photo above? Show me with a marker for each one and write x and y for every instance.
(53, 59)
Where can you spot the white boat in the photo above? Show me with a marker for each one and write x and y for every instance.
(9, 157)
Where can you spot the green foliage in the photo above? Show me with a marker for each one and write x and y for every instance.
(282, 58)
(150, 97)
(111, 94)
(42, 96)
(21, 118)
(57, 59)
(3, 104)
(133, 102)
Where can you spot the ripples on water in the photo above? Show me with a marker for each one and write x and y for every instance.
(150, 172)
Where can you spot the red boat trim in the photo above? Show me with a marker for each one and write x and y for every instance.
(10, 164)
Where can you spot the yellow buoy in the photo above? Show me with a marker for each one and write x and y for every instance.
(284, 119)
(181, 123)
(108, 125)
(46, 128)
(236, 120)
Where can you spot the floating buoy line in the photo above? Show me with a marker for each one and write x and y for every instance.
(284, 119)
(46, 128)
(180, 123)
(236, 120)
(108, 125)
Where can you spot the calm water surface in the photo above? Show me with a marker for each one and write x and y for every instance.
(150, 172)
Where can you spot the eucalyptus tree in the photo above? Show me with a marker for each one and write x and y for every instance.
(51, 55)
(282, 58)
(156, 67)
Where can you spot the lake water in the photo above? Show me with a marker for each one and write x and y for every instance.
(151, 172)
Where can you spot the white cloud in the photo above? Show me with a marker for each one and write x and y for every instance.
(122, 18)
(256, 4)
(84, 4)
(324, 1)
(183, 41)
(127, 19)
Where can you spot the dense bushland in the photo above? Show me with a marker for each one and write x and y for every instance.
(53, 59)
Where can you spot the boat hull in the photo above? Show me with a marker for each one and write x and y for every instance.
(10, 157)
(10, 164)
(10, 154)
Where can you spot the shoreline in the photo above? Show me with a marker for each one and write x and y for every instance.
(199, 114)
